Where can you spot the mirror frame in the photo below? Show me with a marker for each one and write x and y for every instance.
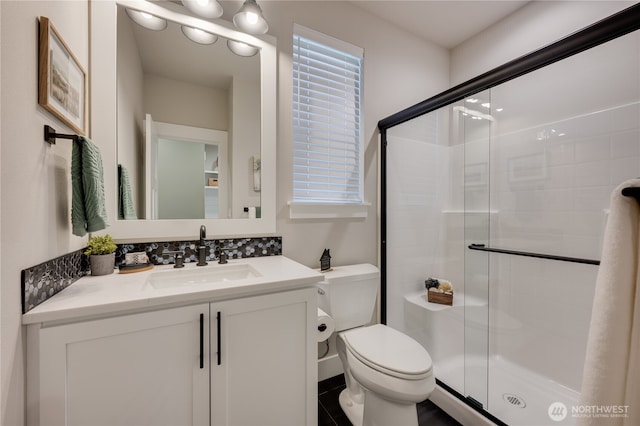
(103, 126)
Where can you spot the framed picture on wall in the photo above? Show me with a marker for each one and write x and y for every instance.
(61, 79)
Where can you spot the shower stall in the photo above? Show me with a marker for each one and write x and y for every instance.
(501, 186)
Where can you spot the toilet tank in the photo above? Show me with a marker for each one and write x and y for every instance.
(348, 294)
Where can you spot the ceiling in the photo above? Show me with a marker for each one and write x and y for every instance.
(446, 23)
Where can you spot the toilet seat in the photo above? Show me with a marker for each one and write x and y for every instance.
(389, 351)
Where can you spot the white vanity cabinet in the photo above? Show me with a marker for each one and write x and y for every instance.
(243, 361)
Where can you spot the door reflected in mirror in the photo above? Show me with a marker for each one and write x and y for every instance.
(188, 172)
(188, 124)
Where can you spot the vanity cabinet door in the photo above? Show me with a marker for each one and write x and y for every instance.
(142, 369)
(263, 360)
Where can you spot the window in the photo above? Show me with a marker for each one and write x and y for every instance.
(327, 120)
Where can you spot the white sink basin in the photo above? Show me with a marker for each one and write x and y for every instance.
(196, 276)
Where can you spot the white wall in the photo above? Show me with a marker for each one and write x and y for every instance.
(36, 186)
(529, 28)
(393, 80)
(131, 111)
(244, 144)
(179, 102)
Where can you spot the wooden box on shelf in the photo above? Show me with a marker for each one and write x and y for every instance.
(212, 182)
(441, 298)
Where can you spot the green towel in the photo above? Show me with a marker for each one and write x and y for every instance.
(88, 209)
(125, 200)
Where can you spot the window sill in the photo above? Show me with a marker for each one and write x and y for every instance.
(301, 210)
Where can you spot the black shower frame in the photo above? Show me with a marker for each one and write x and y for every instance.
(607, 29)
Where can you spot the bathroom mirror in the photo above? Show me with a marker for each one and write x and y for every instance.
(192, 79)
(240, 111)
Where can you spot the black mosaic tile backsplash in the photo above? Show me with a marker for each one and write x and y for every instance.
(237, 248)
(46, 279)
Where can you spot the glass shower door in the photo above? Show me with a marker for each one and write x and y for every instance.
(474, 122)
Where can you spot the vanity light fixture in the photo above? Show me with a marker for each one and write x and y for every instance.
(206, 8)
(198, 35)
(241, 49)
(147, 20)
(249, 18)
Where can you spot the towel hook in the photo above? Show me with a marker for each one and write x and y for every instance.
(50, 135)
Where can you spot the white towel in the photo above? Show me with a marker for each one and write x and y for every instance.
(612, 365)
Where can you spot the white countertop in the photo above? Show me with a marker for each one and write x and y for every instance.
(125, 293)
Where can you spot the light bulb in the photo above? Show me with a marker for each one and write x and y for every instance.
(205, 8)
(198, 35)
(252, 18)
(147, 20)
(249, 18)
(241, 49)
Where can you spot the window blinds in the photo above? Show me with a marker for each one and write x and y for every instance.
(327, 123)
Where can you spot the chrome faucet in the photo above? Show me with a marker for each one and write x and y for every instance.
(202, 257)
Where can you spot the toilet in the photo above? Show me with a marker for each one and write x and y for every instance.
(386, 371)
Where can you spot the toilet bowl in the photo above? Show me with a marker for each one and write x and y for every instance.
(386, 372)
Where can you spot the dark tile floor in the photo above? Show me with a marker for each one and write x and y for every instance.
(330, 413)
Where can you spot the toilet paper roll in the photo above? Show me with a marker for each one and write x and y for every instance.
(326, 326)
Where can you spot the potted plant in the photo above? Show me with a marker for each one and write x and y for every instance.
(102, 254)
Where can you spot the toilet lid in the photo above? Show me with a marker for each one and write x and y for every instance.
(389, 351)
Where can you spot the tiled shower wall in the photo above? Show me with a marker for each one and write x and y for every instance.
(48, 278)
